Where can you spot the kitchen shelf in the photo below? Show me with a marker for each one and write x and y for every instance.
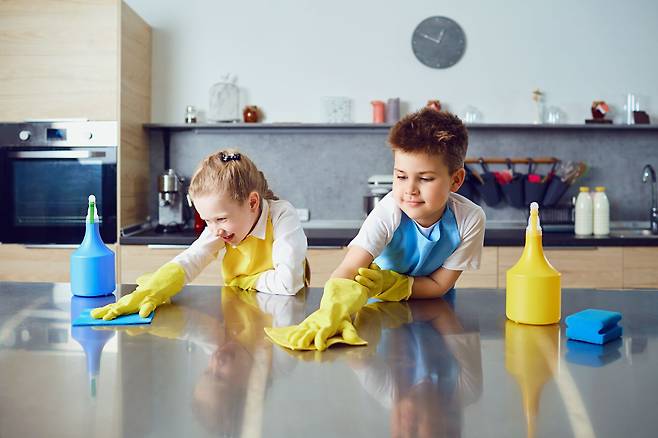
(337, 128)
(167, 129)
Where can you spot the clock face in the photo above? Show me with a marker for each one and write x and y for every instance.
(438, 42)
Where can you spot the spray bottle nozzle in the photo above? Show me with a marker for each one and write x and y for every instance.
(92, 211)
(533, 220)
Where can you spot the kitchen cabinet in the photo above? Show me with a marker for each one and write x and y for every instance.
(324, 261)
(603, 268)
(36, 264)
(591, 267)
(137, 260)
(92, 60)
(640, 267)
(487, 276)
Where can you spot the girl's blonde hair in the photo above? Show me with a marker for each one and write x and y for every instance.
(232, 172)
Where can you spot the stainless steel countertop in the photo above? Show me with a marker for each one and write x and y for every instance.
(451, 367)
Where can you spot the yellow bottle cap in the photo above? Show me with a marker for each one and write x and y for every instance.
(600, 188)
(584, 189)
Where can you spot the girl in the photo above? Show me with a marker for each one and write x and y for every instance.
(258, 238)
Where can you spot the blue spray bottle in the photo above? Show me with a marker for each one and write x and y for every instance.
(92, 264)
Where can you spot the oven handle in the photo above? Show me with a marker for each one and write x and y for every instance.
(57, 154)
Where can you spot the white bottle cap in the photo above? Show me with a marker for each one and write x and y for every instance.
(534, 211)
(92, 205)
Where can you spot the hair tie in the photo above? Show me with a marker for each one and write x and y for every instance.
(229, 157)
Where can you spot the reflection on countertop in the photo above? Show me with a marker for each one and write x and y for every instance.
(445, 367)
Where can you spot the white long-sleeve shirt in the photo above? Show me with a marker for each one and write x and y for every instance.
(288, 250)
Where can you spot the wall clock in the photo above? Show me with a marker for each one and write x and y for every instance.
(438, 42)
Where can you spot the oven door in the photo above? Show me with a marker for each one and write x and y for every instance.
(45, 190)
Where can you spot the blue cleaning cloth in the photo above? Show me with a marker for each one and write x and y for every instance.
(134, 319)
(594, 325)
(592, 355)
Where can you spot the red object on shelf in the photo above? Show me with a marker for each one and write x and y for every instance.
(199, 224)
(534, 178)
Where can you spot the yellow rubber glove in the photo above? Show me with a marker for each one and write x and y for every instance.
(245, 282)
(152, 290)
(385, 285)
(330, 324)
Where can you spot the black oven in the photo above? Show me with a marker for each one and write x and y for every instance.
(47, 172)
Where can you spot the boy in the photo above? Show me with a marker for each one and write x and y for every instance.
(422, 234)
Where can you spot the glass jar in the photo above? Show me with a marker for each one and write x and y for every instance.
(224, 101)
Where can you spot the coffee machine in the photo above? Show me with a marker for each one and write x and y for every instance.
(171, 206)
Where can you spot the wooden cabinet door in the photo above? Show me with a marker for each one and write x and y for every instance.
(641, 267)
(59, 59)
(323, 261)
(36, 263)
(588, 267)
(487, 276)
(141, 259)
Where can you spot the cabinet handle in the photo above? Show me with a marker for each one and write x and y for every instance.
(57, 154)
(158, 246)
(53, 246)
(576, 248)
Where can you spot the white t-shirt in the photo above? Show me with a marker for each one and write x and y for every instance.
(380, 225)
(288, 250)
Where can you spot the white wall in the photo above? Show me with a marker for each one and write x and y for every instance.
(288, 54)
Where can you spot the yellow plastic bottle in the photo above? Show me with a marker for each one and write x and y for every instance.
(533, 285)
(531, 356)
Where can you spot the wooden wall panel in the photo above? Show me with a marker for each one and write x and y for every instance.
(135, 110)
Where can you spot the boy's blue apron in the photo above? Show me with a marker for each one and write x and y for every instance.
(411, 253)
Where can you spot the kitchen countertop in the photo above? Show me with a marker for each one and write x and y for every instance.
(433, 367)
(340, 233)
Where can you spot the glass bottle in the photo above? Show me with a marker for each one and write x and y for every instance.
(190, 114)
(584, 220)
(601, 212)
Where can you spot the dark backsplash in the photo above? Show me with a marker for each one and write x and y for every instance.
(326, 171)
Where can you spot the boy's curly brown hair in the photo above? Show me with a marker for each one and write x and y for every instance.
(434, 133)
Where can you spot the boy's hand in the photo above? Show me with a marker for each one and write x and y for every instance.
(152, 290)
(385, 285)
(372, 278)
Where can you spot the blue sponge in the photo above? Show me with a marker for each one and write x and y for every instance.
(85, 319)
(594, 326)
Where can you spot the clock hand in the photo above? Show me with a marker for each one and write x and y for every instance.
(441, 36)
(427, 37)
